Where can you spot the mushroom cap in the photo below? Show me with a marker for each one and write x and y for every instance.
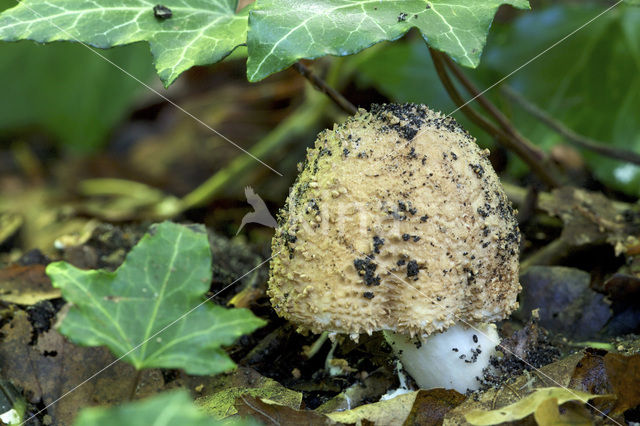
(397, 221)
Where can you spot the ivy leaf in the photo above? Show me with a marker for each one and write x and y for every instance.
(162, 280)
(166, 408)
(198, 32)
(283, 31)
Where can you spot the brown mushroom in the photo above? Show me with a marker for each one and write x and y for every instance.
(398, 222)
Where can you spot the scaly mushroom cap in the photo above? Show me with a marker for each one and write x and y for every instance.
(396, 222)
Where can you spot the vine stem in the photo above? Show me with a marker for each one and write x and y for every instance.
(322, 86)
(568, 134)
(506, 134)
(136, 382)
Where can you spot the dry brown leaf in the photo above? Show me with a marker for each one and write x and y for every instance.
(26, 285)
(390, 412)
(529, 405)
(548, 414)
(555, 374)
(270, 413)
(431, 405)
(52, 367)
(592, 218)
(246, 382)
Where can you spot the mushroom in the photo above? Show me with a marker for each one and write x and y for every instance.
(397, 222)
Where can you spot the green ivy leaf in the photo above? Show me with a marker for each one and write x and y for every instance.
(199, 32)
(163, 278)
(167, 408)
(283, 31)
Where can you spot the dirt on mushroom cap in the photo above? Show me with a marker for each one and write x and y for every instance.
(397, 221)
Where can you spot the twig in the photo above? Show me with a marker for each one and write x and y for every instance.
(510, 139)
(457, 99)
(530, 154)
(567, 133)
(136, 382)
(322, 86)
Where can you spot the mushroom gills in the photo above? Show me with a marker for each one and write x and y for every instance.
(453, 359)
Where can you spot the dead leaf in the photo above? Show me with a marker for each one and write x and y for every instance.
(590, 374)
(624, 376)
(565, 301)
(26, 285)
(10, 223)
(389, 412)
(529, 405)
(548, 414)
(371, 388)
(430, 406)
(270, 413)
(513, 389)
(52, 367)
(221, 404)
(602, 372)
(592, 218)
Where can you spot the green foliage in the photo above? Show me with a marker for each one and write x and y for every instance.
(68, 92)
(166, 408)
(198, 32)
(146, 309)
(403, 71)
(201, 32)
(591, 82)
(281, 32)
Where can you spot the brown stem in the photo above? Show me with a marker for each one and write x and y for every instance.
(567, 133)
(493, 110)
(457, 99)
(136, 382)
(510, 140)
(322, 86)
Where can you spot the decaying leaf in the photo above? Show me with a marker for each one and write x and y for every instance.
(512, 390)
(26, 285)
(246, 382)
(547, 414)
(371, 388)
(565, 302)
(170, 408)
(609, 373)
(270, 413)
(117, 200)
(10, 223)
(389, 412)
(50, 366)
(529, 405)
(592, 218)
(431, 405)
(150, 310)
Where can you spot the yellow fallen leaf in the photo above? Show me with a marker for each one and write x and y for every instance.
(548, 414)
(528, 405)
(392, 412)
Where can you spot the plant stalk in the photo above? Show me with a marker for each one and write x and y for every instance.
(508, 136)
(568, 134)
(322, 86)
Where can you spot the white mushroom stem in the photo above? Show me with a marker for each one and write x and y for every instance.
(453, 359)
